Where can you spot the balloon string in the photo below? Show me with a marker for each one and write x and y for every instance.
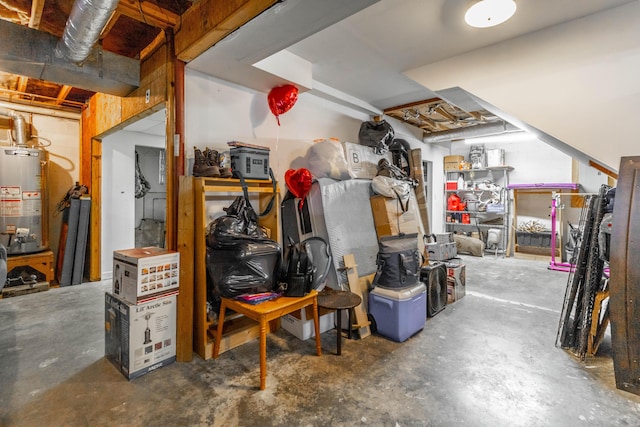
(276, 151)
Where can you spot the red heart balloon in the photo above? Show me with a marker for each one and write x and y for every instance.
(298, 182)
(281, 99)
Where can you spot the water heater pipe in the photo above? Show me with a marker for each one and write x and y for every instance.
(19, 126)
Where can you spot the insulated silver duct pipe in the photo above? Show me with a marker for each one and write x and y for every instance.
(87, 19)
(471, 132)
(19, 131)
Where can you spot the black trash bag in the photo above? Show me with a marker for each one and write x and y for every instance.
(240, 222)
(243, 267)
(399, 261)
(240, 258)
(376, 134)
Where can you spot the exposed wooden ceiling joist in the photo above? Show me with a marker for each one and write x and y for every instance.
(22, 83)
(148, 13)
(110, 24)
(437, 115)
(62, 95)
(209, 21)
(37, 6)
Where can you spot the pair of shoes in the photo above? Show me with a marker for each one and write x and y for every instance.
(203, 165)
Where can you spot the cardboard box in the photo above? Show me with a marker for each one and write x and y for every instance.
(142, 274)
(362, 161)
(140, 338)
(389, 219)
(452, 163)
(300, 324)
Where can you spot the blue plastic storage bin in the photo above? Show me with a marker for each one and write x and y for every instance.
(399, 313)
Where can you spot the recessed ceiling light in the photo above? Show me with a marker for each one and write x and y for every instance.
(489, 13)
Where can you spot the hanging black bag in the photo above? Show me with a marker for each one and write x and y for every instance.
(399, 261)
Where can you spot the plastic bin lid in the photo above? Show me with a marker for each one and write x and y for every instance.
(400, 294)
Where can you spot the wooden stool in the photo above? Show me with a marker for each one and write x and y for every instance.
(263, 313)
(339, 300)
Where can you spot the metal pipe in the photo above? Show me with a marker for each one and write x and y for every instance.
(22, 108)
(19, 130)
(86, 21)
(470, 132)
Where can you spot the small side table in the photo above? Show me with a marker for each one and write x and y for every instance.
(339, 300)
(263, 313)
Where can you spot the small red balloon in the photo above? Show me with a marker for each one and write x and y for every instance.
(299, 183)
(281, 99)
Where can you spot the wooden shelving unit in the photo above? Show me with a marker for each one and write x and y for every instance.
(196, 330)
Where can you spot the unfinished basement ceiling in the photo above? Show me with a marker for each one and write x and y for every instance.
(132, 31)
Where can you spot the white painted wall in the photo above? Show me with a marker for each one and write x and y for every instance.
(118, 189)
(578, 82)
(217, 112)
(64, 161)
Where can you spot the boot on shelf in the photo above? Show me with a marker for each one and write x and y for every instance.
(201, 166)
(212, 161)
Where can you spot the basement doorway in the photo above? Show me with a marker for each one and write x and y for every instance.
(122, 213)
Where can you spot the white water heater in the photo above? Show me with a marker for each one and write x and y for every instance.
(23, 220)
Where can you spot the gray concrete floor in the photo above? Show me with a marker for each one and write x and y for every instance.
(486, 360)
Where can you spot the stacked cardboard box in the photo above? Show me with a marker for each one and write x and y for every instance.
(140, 312)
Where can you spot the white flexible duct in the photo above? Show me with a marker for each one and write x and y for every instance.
(87, 19)
(19, 131)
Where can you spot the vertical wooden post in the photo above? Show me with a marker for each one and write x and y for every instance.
(96, 211)
(172, 181)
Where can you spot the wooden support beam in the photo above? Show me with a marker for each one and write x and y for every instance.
(22, 83)
(37, 6)
(153, 46)
(172, 184)
(149, 13)
(412, 105)
(110, 23)
(602, 169)
(209, 21)
(62, 95)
